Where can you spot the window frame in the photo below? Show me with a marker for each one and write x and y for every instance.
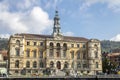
(35, 64)
(17, 51)
(28, 43)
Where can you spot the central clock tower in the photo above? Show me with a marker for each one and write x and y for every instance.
(57, 29)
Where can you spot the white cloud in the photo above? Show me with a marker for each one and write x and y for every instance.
(116, 38)
(12, 22)
(68, 33)
(33, 20)
(51, 4)
(25, 4)
(4, 35)
(87, 3)
(111, 4)
(38, 20)
(114, 5)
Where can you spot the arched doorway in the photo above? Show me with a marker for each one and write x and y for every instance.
(58, 65)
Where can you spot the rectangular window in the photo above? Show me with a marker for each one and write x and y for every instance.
(72, 64)
(72, 55)
(96, 64)
(84, 46)
(28, 71)
(34, 54)
(51, 53)
(28, 43)
(58, 54)
(35, 43)
(16, 71)
(78, 45)
(84, 55)
(64, 53)
(17, 52)
(88, 71)
(41, 43)
(72, 45)
(41, 54)
(28, 53)
(78, 65)
(78, 55)
(84, 66)
(96, 54)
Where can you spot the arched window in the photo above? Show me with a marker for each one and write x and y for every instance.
(72, 54)
(96, 64)
(17, 64)
(96, 46)
(58, 44)
(51, 45)
(18, 42)
(34, 64)
(41, 64)
(78, 54)
(64, 49)
(64, 46)
(66, 65)
(58, 65)
(51, 64)
(27, 64)
(51, 50)
(58, 50)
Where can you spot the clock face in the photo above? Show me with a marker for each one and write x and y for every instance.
(58, 37)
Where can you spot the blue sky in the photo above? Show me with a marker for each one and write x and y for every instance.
(83, 18)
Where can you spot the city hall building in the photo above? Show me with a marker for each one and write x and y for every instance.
(34, 53)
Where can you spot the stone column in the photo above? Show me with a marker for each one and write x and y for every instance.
(62, 64)
(75, 65)
(54, 52)
(55, 64)
(47, 53)
(47, 57)
(61, 52)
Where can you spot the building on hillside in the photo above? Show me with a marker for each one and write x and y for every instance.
(3, 64)
(117, 50)
(4, 54)
(34, 53)
(114, 58)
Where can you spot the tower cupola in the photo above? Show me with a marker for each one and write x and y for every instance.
(56, 28)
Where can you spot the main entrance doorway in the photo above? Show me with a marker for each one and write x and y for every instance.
(58, 65)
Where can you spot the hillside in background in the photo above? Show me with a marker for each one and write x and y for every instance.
(3, 43)
(107, 46)
(110, 46)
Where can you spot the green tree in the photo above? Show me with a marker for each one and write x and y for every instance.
(108, 66)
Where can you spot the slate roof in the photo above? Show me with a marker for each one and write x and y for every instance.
(50, 36)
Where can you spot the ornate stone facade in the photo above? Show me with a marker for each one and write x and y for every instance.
(34, 53)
